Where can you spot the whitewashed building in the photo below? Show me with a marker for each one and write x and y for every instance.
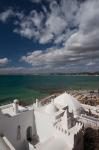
(46, 125)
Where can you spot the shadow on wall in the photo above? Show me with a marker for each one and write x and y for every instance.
(32, 137)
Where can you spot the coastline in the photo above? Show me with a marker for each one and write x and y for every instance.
(27, 88)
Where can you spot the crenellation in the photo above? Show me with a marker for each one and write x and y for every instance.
(50, 121)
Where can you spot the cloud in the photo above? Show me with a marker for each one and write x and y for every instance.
(48, 25)
(4, 61)
(73, 24)
(29, 26)
(55, 25)
(49, 57)
(69, 8)
(80, 44)
(45, 26)
(88, 33)
(4, 16)
(15, 70)
(90, 64)
(42, 26)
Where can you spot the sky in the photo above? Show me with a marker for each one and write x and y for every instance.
(49, 36)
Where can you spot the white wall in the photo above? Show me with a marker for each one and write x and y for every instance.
(68, 138)
(9, 127)
(44, 125)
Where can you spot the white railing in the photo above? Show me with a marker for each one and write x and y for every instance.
(31, 147)
(7, 142)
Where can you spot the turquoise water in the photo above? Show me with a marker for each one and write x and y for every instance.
(28, 88)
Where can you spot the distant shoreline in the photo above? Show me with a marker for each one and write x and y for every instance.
(49, 75)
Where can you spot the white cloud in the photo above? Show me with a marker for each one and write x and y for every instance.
(15, 70)
(29, 26)
(4, 16)
(43, 27)
(79, 45)
(90, 64)
(69, 8)
(88, 33)
(51, 56)
(4, 61)
(56, 24)
(71, 23)
(46, 37)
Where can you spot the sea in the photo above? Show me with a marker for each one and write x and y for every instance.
(27, 88)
